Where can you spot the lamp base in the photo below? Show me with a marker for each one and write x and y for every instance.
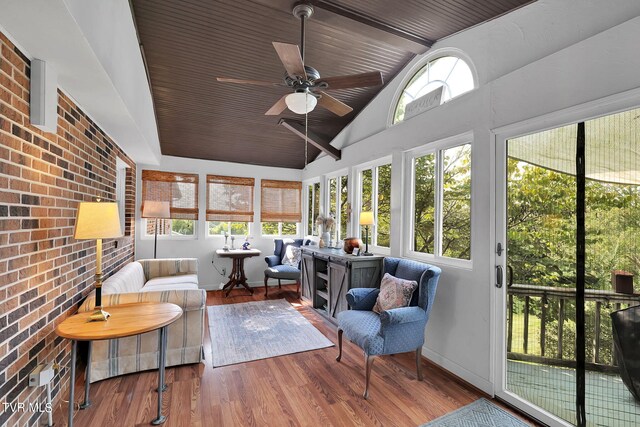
(99, 315)
(367, 254)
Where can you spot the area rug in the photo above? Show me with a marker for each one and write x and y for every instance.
(259, 330)
(480, 413)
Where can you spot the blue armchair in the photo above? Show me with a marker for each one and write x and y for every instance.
(275, 269)
(393, 331)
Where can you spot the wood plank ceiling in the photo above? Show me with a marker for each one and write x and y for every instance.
(188, 43)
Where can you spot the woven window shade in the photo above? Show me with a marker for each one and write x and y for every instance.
(281, 201)
(229, 198)
(179, 189)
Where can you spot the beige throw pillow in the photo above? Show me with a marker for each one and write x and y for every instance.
(394, 293)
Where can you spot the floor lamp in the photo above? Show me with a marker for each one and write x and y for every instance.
(366, 219)
(97, 221)
(158, 210)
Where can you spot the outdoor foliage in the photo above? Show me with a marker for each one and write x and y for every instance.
(541, 233)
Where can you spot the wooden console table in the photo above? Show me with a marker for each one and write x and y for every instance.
(237, 276)
(328, 274)
(126, 320)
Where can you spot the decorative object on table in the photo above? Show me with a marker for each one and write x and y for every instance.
(325, 224)
(356, 252)
(366, 219)
(481, 413)
(622, 282)
(626, 335)
(259, 330)
(226, 245)
(350, 243)
(394, 331)
(285, 262)
(97, 221)
(157, 210)
(247, 245)
(233, 239)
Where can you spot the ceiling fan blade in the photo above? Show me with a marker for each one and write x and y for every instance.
(290, 56)
(277, 108)
(373, 78)
(330, 103)
(248, 82)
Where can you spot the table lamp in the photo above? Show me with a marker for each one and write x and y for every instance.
(155, 209)
(366, 219)
(98, 220)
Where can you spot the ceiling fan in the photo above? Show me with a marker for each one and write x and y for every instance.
(308, 87)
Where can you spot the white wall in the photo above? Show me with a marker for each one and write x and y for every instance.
(544, 58)
(202, 246)
(93, 46)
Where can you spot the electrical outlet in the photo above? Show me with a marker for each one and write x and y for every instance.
(224, 271)
(41, 375)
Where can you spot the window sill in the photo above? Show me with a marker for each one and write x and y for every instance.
(465, 264)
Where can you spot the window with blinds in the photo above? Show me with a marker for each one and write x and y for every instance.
(179, 189)
(281, 201)
(229, 198)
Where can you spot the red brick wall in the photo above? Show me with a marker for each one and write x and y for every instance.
(44, 272)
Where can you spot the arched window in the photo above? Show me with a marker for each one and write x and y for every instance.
(451, 72)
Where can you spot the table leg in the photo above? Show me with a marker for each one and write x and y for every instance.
(232, 279)
(161, 344)
(72, 380)
(163, 349)
(87, 380)
(242, 280)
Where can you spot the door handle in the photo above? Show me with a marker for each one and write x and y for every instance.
(499, 275)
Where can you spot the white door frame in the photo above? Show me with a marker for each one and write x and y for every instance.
(609, 105)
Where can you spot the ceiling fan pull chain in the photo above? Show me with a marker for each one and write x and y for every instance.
(306, 138)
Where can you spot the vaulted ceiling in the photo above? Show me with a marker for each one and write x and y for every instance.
(188, 43)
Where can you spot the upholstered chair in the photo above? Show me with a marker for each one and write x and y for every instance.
(393, 331)
(275, 267)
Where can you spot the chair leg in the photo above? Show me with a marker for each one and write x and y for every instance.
(339, 345)
(368, 362)
(419, 363)
(279, 284)
(266, 287)
(298, 288)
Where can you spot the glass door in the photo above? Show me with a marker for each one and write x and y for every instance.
(568, 226)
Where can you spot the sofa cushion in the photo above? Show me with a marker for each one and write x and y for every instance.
(129, 278)
(292, 256)
(394, 293)
(282, 272)
(171, 281)
(172, 287)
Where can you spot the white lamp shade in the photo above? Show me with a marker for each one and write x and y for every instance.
(97, 220)
(366, 218)
(301, 102)
(155, 209)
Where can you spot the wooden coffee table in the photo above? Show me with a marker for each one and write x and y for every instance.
(237, 277)
(126, 320)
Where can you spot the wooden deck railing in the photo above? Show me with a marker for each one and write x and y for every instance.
(546, 299)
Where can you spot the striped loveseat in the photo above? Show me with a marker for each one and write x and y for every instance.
(159, 280)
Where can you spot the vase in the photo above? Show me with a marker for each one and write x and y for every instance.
(350, 243)
(326, 237)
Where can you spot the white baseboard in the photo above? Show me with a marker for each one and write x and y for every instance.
(459, 371)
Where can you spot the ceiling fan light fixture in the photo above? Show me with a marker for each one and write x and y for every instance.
(301, 102)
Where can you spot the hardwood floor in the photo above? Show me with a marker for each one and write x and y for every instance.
(304, 389)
